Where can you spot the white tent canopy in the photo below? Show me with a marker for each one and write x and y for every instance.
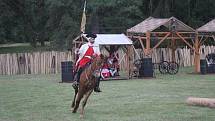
(112, 39)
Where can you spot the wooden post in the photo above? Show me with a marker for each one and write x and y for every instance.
(130, 66)
(197, 54)
(173, 47)
(147, 43)
(213, 36)
(141, 43)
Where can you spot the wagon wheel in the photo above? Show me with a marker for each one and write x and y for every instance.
(163, 67)
(173, 68)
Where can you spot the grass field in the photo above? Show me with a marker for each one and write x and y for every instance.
(42, 98)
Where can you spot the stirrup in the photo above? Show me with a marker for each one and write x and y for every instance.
(97, 89)
(75, 84)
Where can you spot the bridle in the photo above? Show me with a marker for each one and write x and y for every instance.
(95, 71)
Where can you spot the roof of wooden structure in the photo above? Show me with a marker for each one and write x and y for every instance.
(208, 27)
(150, 24)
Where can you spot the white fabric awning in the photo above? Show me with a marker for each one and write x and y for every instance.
(112, 39)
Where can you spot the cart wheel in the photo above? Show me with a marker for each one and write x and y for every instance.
(173, 68)
(163, 67)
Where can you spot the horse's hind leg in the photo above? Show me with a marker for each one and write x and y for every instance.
(73, 102)
(87, 95)
(77, 101)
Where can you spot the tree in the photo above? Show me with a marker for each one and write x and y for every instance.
(59, 20)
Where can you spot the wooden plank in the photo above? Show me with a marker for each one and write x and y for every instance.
(141, 42)
(161, 41)
(173, 48)
(213, 37)
(136, 37)
(185, 41)
(147, 42)
(186, 32)
(159, 32)
(201, 42)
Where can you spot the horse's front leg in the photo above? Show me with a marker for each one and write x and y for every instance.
(87, 95)
(77, 101)
(73, 102)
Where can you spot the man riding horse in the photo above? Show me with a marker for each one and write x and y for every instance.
(85, 55)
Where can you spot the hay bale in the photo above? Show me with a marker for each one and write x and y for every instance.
(206, 102)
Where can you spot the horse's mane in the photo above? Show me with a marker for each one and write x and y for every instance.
(95, 65)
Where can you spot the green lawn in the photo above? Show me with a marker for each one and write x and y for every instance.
(42, 98)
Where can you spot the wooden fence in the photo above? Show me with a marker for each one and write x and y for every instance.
(33, 63)
(50, 62)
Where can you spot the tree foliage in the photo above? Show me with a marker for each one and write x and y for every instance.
(58, 21)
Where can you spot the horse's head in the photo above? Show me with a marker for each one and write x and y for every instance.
(99, 60)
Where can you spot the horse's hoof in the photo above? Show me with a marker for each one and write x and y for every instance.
(73, 111)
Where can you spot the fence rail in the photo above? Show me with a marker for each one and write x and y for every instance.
(50, 62)
(33, 63)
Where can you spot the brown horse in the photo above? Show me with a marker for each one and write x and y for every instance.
(87, 84)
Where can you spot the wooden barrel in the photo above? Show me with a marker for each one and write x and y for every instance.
(67, 71)
(146, 68)
(203, 66)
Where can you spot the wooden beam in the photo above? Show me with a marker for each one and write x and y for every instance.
(160, 37)
(213, 37)
(201, 42)
(159, 32)
(173, 47)
(161, 41)
(136, 37)
(197, 55)
(185, 41)
(142, 45)
(147, 43)
(107, 49)
(129, 61)
(174, 37)
(186, 32)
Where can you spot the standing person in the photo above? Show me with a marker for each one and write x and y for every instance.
(85, 54)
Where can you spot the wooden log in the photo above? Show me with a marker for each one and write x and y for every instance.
(206, 102)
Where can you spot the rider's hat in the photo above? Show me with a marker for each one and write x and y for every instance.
(91, 35)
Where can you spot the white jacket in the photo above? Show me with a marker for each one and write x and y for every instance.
(83, 50)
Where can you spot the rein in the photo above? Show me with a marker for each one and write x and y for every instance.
(94, 73)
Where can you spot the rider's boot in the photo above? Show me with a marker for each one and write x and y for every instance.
(97, 89)
(75, 82)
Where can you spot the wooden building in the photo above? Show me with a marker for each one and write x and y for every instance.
(152, 32)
